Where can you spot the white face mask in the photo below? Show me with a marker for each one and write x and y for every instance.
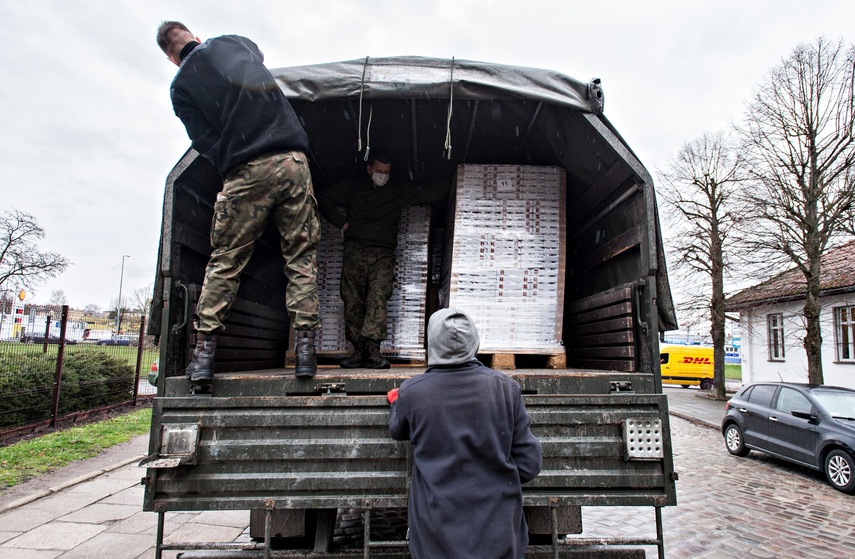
(380, 178)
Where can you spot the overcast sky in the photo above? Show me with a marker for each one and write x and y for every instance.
(88, 135)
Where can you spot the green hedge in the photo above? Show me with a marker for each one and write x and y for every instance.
(89, 380)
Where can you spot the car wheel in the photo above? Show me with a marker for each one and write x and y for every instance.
(706, 384)
(840, 470)
(734, 440)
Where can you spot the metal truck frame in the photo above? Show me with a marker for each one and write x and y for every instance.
(295, 451)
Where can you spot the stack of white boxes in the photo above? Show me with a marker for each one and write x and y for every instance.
(504, 255)
(331, 311)
(406, 324)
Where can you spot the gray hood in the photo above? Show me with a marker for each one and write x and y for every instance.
(452, 338)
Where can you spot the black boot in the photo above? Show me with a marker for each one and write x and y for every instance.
(200, 371)
(304, 349)
(375, 360)
(355, 360)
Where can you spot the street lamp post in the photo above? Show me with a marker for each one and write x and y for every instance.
(119, 302)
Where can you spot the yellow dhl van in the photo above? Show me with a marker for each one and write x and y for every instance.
(686, 365)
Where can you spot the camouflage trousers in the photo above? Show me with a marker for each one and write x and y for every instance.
(367, 277)
(277, 186)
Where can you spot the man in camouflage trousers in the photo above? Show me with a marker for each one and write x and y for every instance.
(373, 205)
(239, 119)
(367, 278)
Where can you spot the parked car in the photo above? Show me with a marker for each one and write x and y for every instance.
(811, 425)
(152, 373)
(41, 340)
(118, 340)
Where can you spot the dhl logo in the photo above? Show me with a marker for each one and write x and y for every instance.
(697, 361)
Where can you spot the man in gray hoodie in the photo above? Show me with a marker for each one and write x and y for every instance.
(473, 449)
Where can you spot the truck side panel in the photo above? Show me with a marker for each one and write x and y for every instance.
(330, 451)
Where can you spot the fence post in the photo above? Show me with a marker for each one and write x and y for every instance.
(141, 341)
(47, 333)
(57, 381)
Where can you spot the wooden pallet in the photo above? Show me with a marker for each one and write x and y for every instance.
(527, 359)
(332, 359)
(500, 361)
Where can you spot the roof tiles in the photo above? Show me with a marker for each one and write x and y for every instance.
(838, 273)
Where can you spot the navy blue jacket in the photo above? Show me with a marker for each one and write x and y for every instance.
(231, 105)
(472, 450)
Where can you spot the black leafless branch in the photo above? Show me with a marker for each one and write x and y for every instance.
(22, 264)
(799, 144)
(700, 190)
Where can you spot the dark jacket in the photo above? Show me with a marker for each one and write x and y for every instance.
(231, 106)
(473, 449)
(373, 212)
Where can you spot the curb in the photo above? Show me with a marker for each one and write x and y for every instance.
(695, 420)
(69, 483)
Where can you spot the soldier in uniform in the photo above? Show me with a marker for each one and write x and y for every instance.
(372, 209)
(239, 119)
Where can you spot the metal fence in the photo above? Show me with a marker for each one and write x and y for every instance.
(58, 366)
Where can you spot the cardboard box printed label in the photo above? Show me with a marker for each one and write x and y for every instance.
(407, 304)
(504, 255)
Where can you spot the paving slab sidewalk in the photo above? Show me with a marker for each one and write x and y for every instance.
(92, 509)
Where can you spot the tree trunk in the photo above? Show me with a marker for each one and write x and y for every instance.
(813, 337)
(717, 315)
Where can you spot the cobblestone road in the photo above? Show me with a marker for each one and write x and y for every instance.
(729, 507)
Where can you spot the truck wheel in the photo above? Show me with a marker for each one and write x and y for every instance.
(706, 384)
(840, 470)
(685, 385)
(734, 440)
(389, 524)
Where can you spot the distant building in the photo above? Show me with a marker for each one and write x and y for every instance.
(25, 319)
(772, 323)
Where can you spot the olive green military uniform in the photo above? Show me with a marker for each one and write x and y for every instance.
(372, 214)
(277, 186)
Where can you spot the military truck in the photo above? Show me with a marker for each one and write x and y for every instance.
(307, 457)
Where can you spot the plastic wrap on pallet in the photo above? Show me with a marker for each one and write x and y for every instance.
(504, 255)
(407, 304)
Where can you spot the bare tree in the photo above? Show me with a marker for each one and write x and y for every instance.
(91, 309)
(700, 190)
(22, 264)
(141, 299)
(798, 135)
(58, 298)
(111, 313)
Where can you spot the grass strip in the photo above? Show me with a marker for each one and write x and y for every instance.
(27, 459)
(732, 371)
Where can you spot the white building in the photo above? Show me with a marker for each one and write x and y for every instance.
(773, 326)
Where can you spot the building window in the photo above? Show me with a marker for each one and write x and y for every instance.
(844, 326)
(775, 323)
